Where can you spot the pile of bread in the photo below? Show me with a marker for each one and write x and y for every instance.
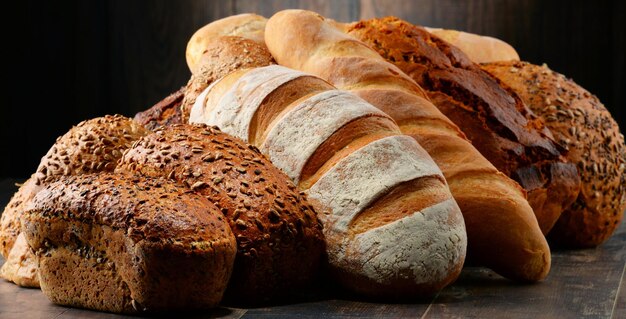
(386, 153)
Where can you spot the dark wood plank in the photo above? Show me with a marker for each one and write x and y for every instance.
(619, 309)
(341, 10)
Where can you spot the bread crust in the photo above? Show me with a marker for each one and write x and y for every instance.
(479, 48)
(166, 112)
(583, 125)
(279, 237)
(128, 244)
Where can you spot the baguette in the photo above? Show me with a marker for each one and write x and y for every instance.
(392, 228)
(490, 113)
(502, 231)
(479, 48)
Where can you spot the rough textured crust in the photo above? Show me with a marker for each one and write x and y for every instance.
(490, 114)
(365, 178)
(305, 41)
(249, 26)
(20, 267)
(91, 146)
(479, 48)
(581, 124)
(128, 244)
(278, 235)
(166, 112)
(222, 56)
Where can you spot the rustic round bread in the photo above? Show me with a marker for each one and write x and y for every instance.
(91, 146)
(250, 26)
(278, 235)
(581, 124)
(124, 243)
(222, 56)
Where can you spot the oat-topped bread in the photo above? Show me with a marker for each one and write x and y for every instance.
(278, 234)
(92, 146)
(490, 114)
(165, 112)
(583, 125)
(128, 244)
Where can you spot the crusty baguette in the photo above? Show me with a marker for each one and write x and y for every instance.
(491, 114)
(479, 48)
(91, 146)
(391, 225)
(247, 25)
(280, 241)
(582, 124)
(503, 233)
(129, 244)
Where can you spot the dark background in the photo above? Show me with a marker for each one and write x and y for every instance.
(66, 61)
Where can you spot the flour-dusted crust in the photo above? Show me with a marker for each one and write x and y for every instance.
(298, 133)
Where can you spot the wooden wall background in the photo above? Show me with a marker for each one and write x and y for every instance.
(73, 60)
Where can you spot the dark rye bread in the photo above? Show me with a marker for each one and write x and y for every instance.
(490, 114)
(128, 244)
(581, 124)
(165, 112)
(278, 234)
(91, 146)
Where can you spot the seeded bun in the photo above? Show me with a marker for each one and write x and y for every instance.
(581, 124)
(91, 146)
(279, 238)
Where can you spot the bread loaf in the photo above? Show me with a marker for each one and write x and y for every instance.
(392, 227)
(490, 114)
(278, 235)
(166, 112)
(502, 230)
(249, 26)
(128, 244)
(478, 48)
(581, 124)
(91, 146)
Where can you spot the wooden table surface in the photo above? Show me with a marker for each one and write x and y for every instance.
(582, 284)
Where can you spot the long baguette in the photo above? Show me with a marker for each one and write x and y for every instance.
(503, 233)
(391, 224)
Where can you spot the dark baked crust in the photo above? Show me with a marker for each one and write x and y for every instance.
(583, 125)
(278, 235)
(222, 56)
(491, 115)
(128, 244)
(165, 112)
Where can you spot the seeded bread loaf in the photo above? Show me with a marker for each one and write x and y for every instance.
(127, 244)
(478, 48)
(581, 124)
(502, 230)
(392, 228)
(91, 146)
(247, 25)
(278, 235)
(490, 114)
(166, 112)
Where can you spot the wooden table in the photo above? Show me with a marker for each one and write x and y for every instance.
(582, 284)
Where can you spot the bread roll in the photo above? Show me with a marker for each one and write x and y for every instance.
(583, 125)
(126, 244)
(278, 235)
(392, 227)
(490, 114)
(479, 48)
(91, 146)
(502, 230)
(247, 25)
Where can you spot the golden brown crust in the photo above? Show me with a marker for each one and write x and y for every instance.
(490, 114)
(10, 226)
(128, 244)
(479, 48)
(581, 124)
(279, 237)
(222, 56)
(304, 40)
(166, 112)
